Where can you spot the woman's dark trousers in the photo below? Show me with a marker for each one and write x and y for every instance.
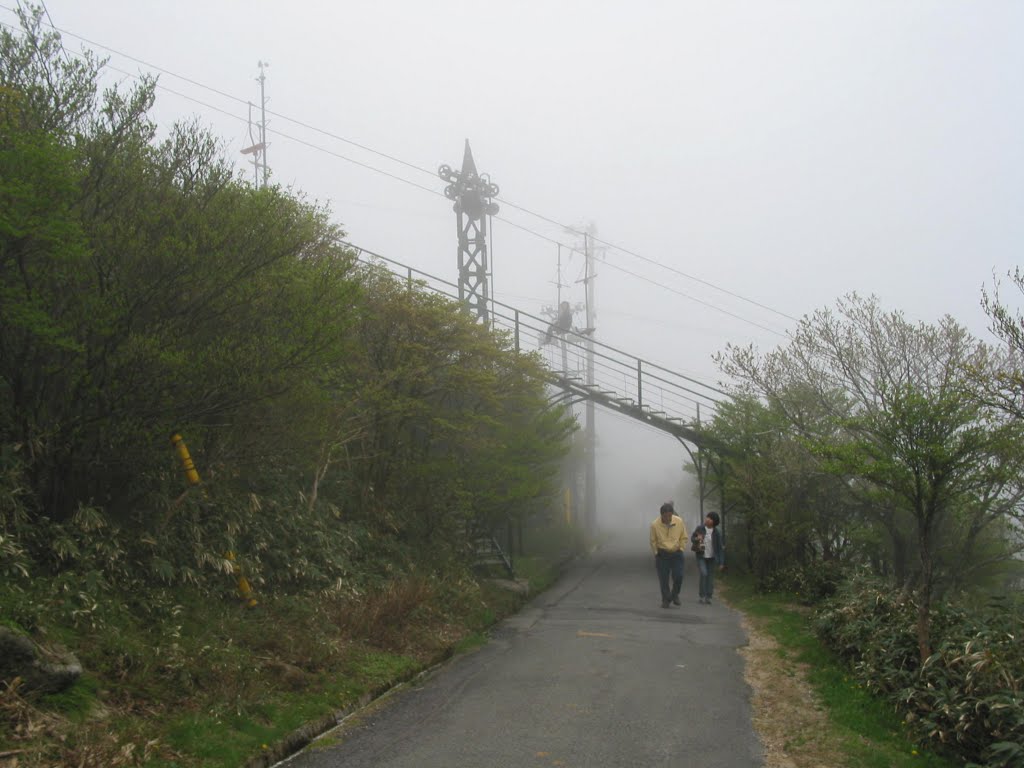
(706, 566)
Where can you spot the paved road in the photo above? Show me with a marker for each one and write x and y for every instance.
(592, 673)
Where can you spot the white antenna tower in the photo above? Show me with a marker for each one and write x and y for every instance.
(258, 148)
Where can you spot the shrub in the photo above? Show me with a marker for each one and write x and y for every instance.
(970, 693)
(967, 697)
(873, 630)
(811, 582)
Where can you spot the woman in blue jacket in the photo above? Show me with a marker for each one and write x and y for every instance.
(707, 544)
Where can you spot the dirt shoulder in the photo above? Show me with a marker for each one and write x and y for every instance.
(789, 719)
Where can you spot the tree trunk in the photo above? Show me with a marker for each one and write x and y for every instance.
(924, 600)
(899, 558)
(924, 623)
(751, 535)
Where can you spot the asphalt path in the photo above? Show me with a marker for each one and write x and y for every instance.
(593, 672)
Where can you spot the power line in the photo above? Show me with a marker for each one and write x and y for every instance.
(424, 188)
(648, 260)
(652, 281)
(50, 18)
(281, 134)
(232, 97)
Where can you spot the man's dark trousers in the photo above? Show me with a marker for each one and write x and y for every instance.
(669, 562)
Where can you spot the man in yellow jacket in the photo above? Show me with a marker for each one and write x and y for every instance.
(668, 534)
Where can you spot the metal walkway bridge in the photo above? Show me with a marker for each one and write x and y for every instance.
(621, 382)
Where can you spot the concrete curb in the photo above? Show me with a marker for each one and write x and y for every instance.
(310, 732)
(302, 737)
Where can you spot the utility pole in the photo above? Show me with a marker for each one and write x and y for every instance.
(263, 116)
(558, 307)
(591, 433)
(258, 148)
(558, 280)
(472, 193)
(553, 312)
(572, 491)
(701, 472)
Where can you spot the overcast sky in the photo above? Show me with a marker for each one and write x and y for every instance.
(784, 153)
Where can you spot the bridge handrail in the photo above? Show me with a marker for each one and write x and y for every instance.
(604, 355)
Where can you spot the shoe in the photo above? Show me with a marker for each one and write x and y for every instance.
(675, 600)
(702, 600)
(664, 603)
(708, 601)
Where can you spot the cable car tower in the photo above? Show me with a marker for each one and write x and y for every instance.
(471, 193)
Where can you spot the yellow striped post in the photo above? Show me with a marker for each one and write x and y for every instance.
(186, 459)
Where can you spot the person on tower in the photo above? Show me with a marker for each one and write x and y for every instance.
(561, 325)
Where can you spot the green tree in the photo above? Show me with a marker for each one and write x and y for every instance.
(784, 512)
(909, 429)
(146, 289)
(454, 420)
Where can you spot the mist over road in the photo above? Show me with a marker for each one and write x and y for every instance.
(591, 673)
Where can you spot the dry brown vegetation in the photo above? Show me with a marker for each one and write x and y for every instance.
(788, 717)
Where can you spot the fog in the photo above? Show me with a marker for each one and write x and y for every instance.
(745, 163)
(638, 469)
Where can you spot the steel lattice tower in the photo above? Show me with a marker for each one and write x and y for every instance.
(472, 195)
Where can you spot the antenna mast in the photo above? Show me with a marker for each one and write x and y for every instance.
(258, 148)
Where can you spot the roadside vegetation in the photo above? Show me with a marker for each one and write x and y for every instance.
(239, 469)
(184, 677)
(809, 708)
(872, 469)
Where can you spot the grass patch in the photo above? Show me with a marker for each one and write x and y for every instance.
(865, 730)
(496, 602)
(179, 679)
(374, 668)
(471, 642)
(76, 702)
(221, 741)
(539, 571)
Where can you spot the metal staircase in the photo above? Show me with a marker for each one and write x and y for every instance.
(486, 553)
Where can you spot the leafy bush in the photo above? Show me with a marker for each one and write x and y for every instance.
(873, 629)
(14, 561)
(968, 697)
(811, 582)
(970, 693)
